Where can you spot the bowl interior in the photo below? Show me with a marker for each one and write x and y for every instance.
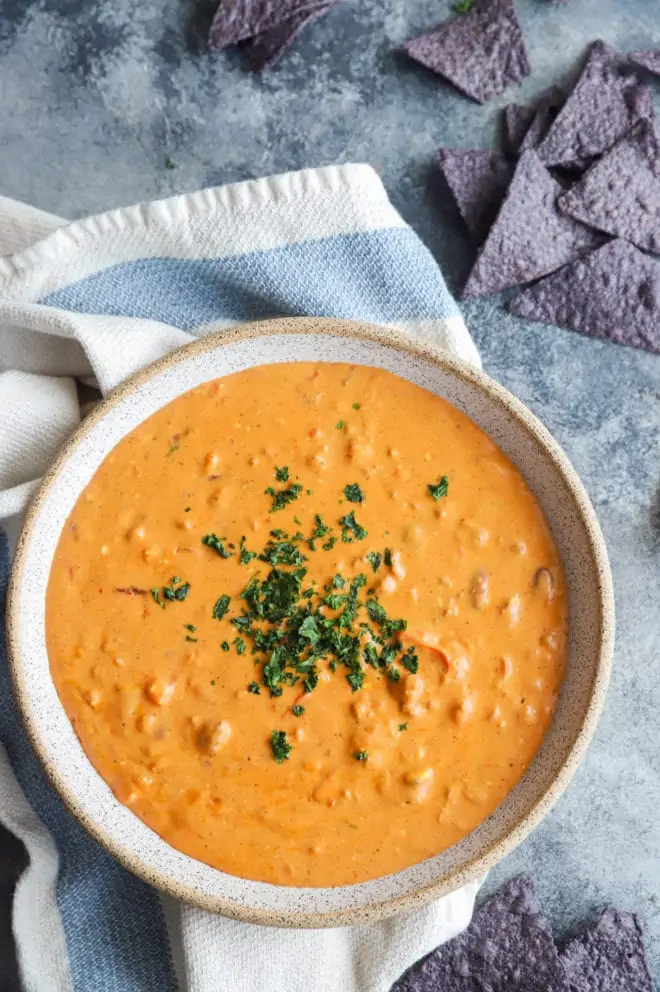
(574, 529)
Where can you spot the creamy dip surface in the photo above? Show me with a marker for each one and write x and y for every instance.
(309, 623)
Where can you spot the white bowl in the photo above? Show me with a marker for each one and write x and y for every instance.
(577, 535)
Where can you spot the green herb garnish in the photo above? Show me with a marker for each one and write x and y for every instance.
(282, 474)
(172, 448)
(283, 497)
(353, 493)
(156, 597)
(360, 755)
(374, 558)
(254, 688)
(339, 425)
(297, 710)
(216, 544)
(245, 556)
(403, 726)
(439, 490)
(356, 406)
(351, 530)
(463, 6)
(176, 591)
(225, 645)
(220, 608)
(239, 644)
(280, 746)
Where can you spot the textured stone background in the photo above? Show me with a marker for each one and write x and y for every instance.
(95, 97)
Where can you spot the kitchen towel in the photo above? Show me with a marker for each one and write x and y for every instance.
(91, 302)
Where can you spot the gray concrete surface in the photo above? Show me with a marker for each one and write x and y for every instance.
(95, 98)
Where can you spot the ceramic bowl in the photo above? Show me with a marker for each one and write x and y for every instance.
(573, 523)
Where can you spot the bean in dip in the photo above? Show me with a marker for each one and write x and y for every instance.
(308, 623)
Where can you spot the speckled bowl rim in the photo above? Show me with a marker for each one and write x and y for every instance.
(480, 864)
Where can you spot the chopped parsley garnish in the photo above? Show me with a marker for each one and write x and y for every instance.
(356, 406)
(282, 553)
(403, 726)
(463, 6)
(188, 509)
(221, 606)
(351, 530)
(245, 556)
(410, 661)
(439, 490)
(339, 425)
(353, 493)
(172, 448)
(355, 679)
(280, 746)
(374, 558)
(253, 687)
(297, 710)
(193, 639)
(225, 645)
(239, 644)
(387, 557)
(216, 544)
(282, 497)
(282, 474)
(156, 597)
(360, 755)
(191, 627)
(321, 529)
(175, 592)
(297, 521)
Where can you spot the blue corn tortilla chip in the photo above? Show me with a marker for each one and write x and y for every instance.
(239, 20)
(647, 60)
(481, 52)
(547, 109)
(266, 49)
(478, 181)
(525, 127)
(612, 293)
(508, 947)
(603, 106)
(517, 119)
(620, 194)
(609, 957)
(530, 237)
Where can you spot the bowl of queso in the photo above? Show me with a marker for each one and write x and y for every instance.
(310, 624)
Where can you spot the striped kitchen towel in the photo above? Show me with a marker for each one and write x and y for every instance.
(94, 301)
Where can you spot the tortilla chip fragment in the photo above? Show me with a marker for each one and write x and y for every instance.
(508, 947)
(239, 20)
(647, 60)
(481, 52)
(612, 293)
(517, 119)
(267, 48)
(608, 957)
(620, 194)
(547, 108)
(530, 237)
(603, 106)
(478, 181)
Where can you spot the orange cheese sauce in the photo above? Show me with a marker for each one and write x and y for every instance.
(376, 779)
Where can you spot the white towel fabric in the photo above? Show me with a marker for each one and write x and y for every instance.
(85, 301)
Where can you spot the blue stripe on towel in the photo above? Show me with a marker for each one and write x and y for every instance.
(380, 276)
(114, 924)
